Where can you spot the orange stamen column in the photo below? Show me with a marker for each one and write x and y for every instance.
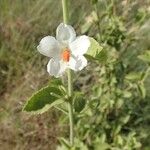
(66, 55)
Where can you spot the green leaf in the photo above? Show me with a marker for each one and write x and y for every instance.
(124, 119)
(119, 140)
(119, 103)
(55, 81)
(145, 57)
(127, 94)
(133, 76)
(116, 129)
(94, 1)
(43, 99)
(99, 145)
(103, 56)
(95, 50)
(85, 27)
(79, 102)
(142, 90)
(65, 143)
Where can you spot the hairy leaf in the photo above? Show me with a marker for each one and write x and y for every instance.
(44, 99)
(133, 76)
(79, 102)
(145, 57)
(95, 51)
(142, 90)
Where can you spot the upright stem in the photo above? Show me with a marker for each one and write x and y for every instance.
(70, 103)
(98, 21)
(65, 11)
(70, 107)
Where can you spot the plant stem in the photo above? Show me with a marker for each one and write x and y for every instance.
(70, 108)
(98, 21)
(65, 11)
(70, 103)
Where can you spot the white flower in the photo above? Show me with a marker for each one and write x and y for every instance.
(66, 51)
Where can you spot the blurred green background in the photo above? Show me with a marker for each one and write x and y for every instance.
(122, 26)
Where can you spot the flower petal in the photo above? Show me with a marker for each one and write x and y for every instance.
(49, 47)
(77, 63)
(80, 45)
(56, 68)
(65, 33)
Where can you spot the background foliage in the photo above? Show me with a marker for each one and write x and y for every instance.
(113, 112)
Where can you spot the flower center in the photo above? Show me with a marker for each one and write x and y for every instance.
(66, 55)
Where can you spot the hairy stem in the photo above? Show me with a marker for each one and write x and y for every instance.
(65, 11)
(70, 107)
(70, 103)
